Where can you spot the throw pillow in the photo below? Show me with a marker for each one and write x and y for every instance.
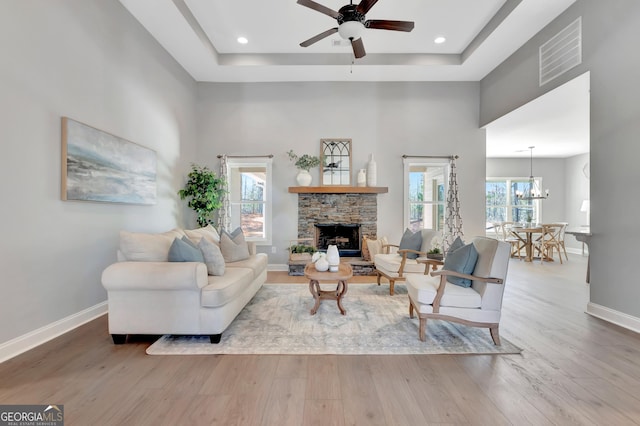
(375, 246)
(208, 232)
(183, 250)
(457, 243)
(411, 241)
(462, 260)
(233, 246)
(366, 255)
(212, 257)
(143, 247)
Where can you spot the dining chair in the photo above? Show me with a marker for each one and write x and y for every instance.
(508, 236)
(561, 239)
(550, 240)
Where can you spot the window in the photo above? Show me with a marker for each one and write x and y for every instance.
(504, 206)
(249, 183)
(426, 188)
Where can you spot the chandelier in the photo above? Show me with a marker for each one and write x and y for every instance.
(534, 192)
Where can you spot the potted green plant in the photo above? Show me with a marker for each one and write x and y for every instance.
(436, 251)
(206, 191)
(299, 252)
(304, 163)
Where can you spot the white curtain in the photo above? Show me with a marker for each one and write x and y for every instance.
(453, 221)
(224, 213)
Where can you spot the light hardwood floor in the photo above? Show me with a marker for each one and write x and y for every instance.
(574, 369)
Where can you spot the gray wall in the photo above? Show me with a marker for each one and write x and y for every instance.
(610, 30)
(91, 61)
(386, 119)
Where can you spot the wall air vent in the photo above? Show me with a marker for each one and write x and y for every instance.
(561, 53)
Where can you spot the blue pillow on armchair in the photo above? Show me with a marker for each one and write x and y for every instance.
(411, 241)
(462, 260)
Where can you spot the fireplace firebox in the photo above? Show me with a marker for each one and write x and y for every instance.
(345, 236)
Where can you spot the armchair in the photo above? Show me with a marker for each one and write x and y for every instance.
(432, 296)
(395, 265)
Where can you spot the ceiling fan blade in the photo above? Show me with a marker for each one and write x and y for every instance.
(358, 48)
(378, 24)
(319, 37)
(365, 5)
(320, 8)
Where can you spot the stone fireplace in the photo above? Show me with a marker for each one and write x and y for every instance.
(344, 214)
(345, 236)
(338, 215)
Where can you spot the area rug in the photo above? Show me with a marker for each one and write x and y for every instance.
(278, 321)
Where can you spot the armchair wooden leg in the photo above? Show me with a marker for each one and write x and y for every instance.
(378, 275)
(410, 309)
(391, 285)
(495, 335)
(422, 330)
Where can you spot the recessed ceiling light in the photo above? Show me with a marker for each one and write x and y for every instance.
(243, 40)
(439, 40)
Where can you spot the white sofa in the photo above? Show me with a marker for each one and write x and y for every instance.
(147, 294)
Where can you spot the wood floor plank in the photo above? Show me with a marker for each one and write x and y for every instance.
(323, 412)
(285, 405)
(323, 379)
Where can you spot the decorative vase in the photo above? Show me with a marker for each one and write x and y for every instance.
(304, 178)
(362, 177)
(322, 264)
(371, 172)
(333, 257)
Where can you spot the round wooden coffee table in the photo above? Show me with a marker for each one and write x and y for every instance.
(344, 273)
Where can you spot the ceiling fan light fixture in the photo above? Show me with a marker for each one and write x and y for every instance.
(350, 30)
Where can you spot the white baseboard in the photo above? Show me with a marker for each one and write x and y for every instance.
(615, 317)
(277, 267)
(577, 251)
(37, 337)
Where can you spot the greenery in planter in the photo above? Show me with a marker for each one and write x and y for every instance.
(206, 191)
(302, 248)
(306, 162)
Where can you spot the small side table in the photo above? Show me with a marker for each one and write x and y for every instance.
(344, 273)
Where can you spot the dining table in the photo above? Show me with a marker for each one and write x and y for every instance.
(528, 230)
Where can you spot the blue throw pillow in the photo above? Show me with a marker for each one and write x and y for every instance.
(462, 260)
(183, 250)
(458, 243)
(411, 241)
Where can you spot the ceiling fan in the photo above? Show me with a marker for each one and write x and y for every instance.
(351, 21)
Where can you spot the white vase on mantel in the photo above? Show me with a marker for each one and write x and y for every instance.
(372, 172)
(362, 177)
(304, 178)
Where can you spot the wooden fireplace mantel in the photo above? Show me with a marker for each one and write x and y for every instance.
(338, 189)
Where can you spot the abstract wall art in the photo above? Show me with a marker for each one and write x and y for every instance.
(98, 166)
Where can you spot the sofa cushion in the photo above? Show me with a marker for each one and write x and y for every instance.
(462, 260)
(143, 247)
(257, 263)
(423, 288)
(223, 289)
(233, 246)
(411, 241)
(212, 257)
(183, 250)
(391, 263)
(208, 232)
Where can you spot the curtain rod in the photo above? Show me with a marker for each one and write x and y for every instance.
(450, 157)
(247, 156)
